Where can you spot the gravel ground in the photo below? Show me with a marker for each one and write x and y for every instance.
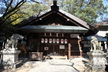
(53, 65)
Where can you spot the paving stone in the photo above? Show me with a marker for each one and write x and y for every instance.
(53, 65)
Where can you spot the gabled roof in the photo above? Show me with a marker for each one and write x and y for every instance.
(45, 13)
(55, 10)
(34, 17)
(83, 23)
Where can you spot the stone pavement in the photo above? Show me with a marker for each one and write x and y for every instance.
(60, 65)
(53, 65)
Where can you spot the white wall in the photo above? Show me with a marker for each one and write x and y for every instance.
(102, 33)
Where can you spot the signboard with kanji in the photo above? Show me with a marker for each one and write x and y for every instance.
(46, 48)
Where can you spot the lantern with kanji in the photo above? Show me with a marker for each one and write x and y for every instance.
(65, 41)
(46, 40)
(54, 40)
(42, 40)
(50, 40)
(57, 40)
(62, 41)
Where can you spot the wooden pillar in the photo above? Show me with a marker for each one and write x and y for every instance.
(39, 36)
(79, 40)
(69, 51)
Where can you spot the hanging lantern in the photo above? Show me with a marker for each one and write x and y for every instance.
(57, 40)
(62, 41)
(50, 40)
(50, 34)
(65, 41)
(42, 40)
(54, 40)
(57, 34)
(44, 34)
(46, 40)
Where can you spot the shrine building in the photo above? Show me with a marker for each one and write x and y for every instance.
(55, 32)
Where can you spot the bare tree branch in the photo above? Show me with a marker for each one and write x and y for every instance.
(8, 5)
(13, 9)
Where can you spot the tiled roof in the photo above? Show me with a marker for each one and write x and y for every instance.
(54, 28)
(100, 38)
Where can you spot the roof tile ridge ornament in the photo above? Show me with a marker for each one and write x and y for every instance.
(54, 7)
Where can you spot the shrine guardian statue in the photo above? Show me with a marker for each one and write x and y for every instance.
(95, 45)
(12, 41)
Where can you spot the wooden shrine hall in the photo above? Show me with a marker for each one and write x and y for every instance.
(55, 32)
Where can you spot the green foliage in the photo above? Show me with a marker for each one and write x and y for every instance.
(9, 7)
(28, 9)
(87, 10)
(15, 18)
(14, 11)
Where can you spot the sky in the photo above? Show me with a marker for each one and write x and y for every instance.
(105, 2)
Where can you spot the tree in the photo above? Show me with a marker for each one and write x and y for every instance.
(87, 10)
(14, 11)
(8, 8)
(30, 9)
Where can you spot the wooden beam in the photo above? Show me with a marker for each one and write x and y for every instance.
(41, 17)
(68, 18)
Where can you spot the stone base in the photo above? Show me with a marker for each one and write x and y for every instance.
(97, 61)
(10, 57)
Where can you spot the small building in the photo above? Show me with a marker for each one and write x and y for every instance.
(102, 27)
(103, 32)
(55, 32)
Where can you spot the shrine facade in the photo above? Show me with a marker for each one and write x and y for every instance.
(55, 32)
